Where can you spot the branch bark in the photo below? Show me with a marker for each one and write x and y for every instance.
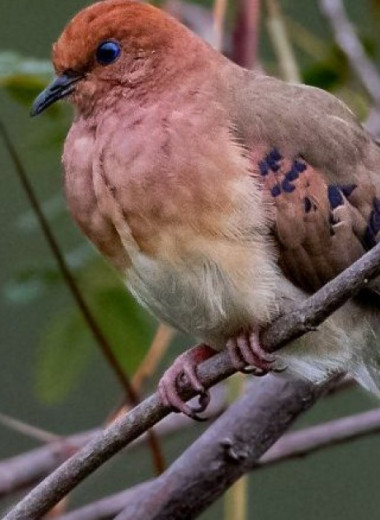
(226, 451)
(26, 470)
(305, 316)
(293, 445)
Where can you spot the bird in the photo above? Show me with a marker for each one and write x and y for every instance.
(223, 196)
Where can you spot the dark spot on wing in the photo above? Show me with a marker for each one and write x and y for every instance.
(287, 186)
(299, 165)
(347, 189)
(274, 155)
(292, 174)
(264, 168)
(335, 196)
(373, 226)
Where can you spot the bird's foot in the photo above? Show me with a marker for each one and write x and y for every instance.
(248, 356)
(185, 367)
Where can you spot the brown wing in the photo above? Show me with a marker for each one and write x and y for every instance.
(321, 228)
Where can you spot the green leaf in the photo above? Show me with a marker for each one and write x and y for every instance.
(30, 284)
(12, 63)
(23, 89)
(66, 344)
(124, 322)
(63, 355)
(24, 78)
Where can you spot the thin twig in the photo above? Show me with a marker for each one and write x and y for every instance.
(348, 41)
(27, 429)
(307, 441)
(281, 43)
(246, 33)
(121, 433)
(63, 267)
(27, 469)
(78, 297)
(156, 352)
(219, 13)
(292, 445)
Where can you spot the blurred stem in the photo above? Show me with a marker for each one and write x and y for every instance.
(236, 498)
(28, 430)
(158, 349)
(72, 285)
(246, 33)
(281, 43)
(346, 37)
(220, 9)
(305, 40)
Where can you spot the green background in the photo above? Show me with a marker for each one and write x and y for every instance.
(340, 483)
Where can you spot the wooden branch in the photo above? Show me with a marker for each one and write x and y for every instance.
(226, 451)
(126, 429)
(26, 470)
(293, 445)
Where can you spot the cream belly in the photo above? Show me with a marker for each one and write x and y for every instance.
(213, 290)
(199, 300)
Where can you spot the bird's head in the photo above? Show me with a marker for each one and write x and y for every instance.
(113, 43)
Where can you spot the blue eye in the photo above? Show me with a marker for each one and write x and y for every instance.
(108, 52)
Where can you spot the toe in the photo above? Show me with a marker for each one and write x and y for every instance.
(190, 372)
(246, 352)
(248, 356)
(258, 350)
(185, 367)
(236, 359)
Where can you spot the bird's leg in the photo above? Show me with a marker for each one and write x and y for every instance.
(248, 356)
(185, 366)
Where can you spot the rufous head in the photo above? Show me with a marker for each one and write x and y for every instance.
(113, 43)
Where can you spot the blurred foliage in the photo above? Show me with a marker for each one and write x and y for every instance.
(23, 78)
(63, 361)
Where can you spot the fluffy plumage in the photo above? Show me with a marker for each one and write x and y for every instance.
(222, 195)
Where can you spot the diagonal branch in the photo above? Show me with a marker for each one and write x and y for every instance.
(226, 451)
(26, 470)
(297, 444)
(300, 320)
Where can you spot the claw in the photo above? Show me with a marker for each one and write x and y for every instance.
(185, 368)
(248, 356)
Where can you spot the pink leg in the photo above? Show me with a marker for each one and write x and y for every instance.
(186, 366)
(248, 356)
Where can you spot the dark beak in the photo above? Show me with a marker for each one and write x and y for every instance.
(58, 89)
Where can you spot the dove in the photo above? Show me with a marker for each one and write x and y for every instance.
(222, 196)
